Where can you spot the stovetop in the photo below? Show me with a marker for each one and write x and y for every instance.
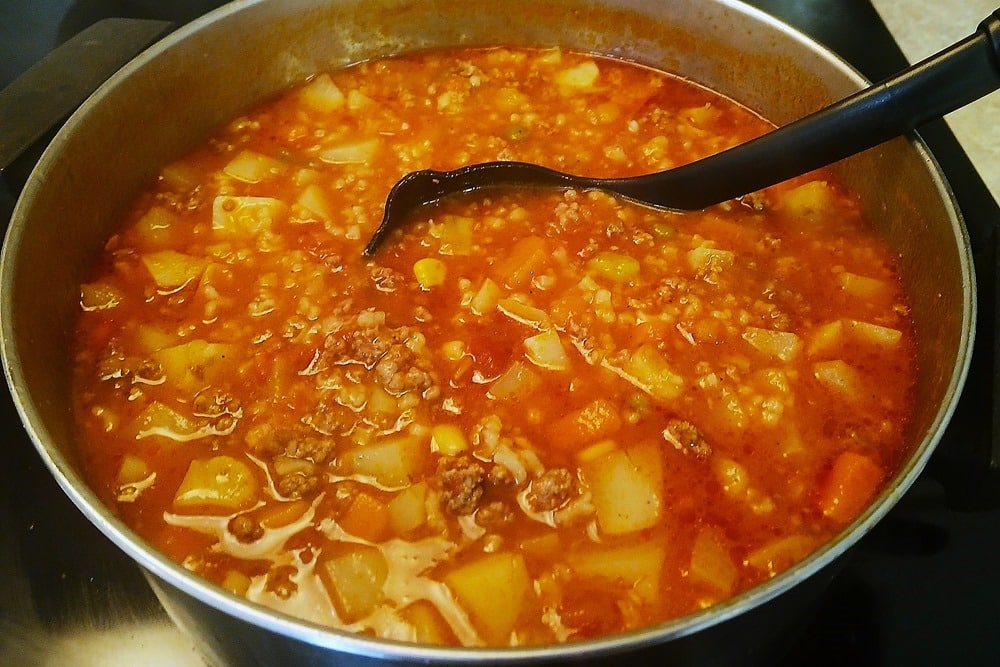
(923, 588)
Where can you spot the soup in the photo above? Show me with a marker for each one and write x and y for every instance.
(535, 416)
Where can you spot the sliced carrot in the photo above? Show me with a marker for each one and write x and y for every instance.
(366, 517)
(597, 420)
(849, 486)
(526, 259)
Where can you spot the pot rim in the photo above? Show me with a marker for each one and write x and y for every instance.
(160, 567)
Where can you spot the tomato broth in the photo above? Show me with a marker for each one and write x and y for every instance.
(535, 416)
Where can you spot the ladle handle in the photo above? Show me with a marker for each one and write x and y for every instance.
(954, 77)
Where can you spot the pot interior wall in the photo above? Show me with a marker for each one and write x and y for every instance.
(169, 99)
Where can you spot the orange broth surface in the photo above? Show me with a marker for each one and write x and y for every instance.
(535, 416)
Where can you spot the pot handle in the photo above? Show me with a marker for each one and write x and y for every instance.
(57, 84)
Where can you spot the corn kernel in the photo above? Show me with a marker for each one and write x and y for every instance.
(453, 350)
(430, 272)
(448, 439)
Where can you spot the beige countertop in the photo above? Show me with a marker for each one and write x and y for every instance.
(924, 27)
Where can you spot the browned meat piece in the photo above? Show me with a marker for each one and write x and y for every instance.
(499, 478)
(461, 479)
(385, 279)
(215, 403)
(265, 441)
(245, 529)
(685, 437)
(388, 352)
(312, 448)
(297, 485)
(550, 490)
(279, 581)
(494, 514)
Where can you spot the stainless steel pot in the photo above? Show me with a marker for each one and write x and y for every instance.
(171, 96)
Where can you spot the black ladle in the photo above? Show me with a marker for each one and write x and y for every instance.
(958, 75)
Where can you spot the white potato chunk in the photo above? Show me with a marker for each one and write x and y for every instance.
(358, 151)
(639, 565)
(246, 217)
(545, 350)
(252, 167)
(783, 345)
(171, 270)
(627, 488)
(322, 94)
(840, 377)
(579, 77)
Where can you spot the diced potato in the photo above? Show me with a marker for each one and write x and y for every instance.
(408, 510)
(782, 553)
(701, 116)
(132, 470)
(627, 488)
(709, 260)
(150, 338)
(314, 200)
(874, 334)
(486, 298)
(246, 217)
(639, 565)
(492, 589)
(448, 439)
(156, 227)
(354, 580)
(171, 269)
(711, 563)
(99, 296)
(614, 266)
(840, 377)
(807, 200)
(515, 383)
(221, 484)
(429, 627)
(545, 350)
(651, 372)
(359, 151)
(158, 419)
(867, 289)
(826, 338)
(252, 167)
(783, 345)
(322, 94)
(182, 176)
(393, 462)
(545, 545)
(381, 401)
(579, 77)
(430, 272)
(519, 311)
(356, 100)
(196, 364)
(455, 234)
